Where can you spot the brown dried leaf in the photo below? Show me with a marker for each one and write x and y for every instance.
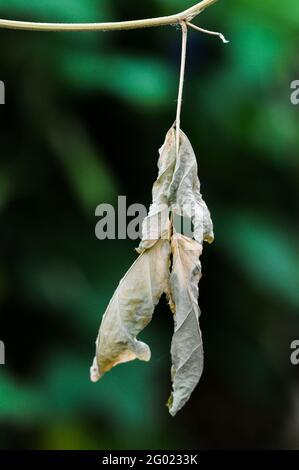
(186, 347)
(131, 309)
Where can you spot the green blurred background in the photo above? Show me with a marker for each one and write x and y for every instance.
(84, 117)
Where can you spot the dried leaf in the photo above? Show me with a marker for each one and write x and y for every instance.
(184, 194)
(158, 217)
(131, 309)
(186, 347)
(186, 201)
(177, 192)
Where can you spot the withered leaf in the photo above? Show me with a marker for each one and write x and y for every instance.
(184, 194)
(186, 346)
(157, 220)
(131, 309)
(176, 192)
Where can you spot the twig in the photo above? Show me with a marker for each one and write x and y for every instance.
(186, 15)
(181, 84)
(214, 33)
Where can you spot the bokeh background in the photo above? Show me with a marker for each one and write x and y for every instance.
(84, 117)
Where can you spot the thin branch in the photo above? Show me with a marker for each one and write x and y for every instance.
(181, 84)
(186, 15)
(206, 31)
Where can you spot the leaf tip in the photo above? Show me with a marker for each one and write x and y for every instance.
(94, 371)
(143, 352)
(209, 238)
(169, 404)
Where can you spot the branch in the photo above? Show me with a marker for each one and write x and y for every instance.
(186, 15)
(206, 31)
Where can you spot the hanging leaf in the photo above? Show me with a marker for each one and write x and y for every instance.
(176, 192)
(158, 217)
(184, 194)
(186, 347)
(131, 309)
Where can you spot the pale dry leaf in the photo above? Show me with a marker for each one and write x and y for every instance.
(176, 193)
(158, 217)
(131, 309)
(184, 194)
(186, 346)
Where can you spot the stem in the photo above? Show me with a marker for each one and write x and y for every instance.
(186, 15)
(181, 85)
(206, 31)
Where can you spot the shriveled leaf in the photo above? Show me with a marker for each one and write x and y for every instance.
(131, 309)
(157, 220)
(186, 347)
(176, 193)
(184, 192)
